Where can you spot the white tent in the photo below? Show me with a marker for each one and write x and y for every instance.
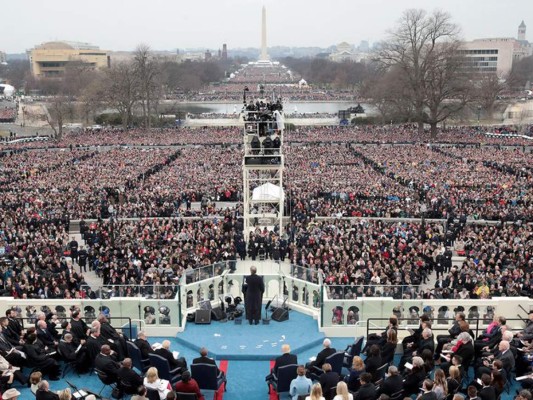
(267, 192)
(8, 90)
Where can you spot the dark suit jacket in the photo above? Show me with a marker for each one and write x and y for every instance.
(11, 336)
(94, 345)
(108, 365)
(79, 329)
(321, 357)
(15, 326)
(390, 385)
(466, 351)
(507, 360)
(45, 337)
(328, 380)
(487, 393)
(144, 347)
(5, 344)
(131, 378)
(36, 357)
(425, 344)
(253, 294)
(166, 354)
(428, 396)
(372, 365)
(387, 352)
(284, 359)
(413, 381)
(366, 392)
(46, 395)
(67, 350)
(108, 332)
(206, 360)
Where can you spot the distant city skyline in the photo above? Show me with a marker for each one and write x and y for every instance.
(120, 25)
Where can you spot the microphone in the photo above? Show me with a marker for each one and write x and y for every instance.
(222, 305)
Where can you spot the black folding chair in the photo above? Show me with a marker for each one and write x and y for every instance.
(207, 377)
(283, 378)
(164, 370)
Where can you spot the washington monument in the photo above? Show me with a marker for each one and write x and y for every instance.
(264, 55)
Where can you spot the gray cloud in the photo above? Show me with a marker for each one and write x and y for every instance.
(171, 24)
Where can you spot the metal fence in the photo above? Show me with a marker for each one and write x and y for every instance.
(353, 292)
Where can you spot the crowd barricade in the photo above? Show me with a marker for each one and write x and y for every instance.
(335, 317)
(158, 317)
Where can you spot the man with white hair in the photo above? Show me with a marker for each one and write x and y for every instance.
(44, 335)
(285, 359)
(426, 342)
(322, 355)
(504, 354)
(173, 363)
(393, 382)
(43, 392)
(143, 345)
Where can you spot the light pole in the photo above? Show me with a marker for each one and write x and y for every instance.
(478, 113)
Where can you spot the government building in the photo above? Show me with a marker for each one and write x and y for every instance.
(49, 60)
(497, 54)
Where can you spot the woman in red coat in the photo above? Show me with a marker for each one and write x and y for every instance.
(188, 385)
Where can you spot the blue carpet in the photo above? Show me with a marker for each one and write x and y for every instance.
(229, 341)
(246, 378)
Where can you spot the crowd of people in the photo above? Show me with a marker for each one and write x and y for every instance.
(328, 173)
(41, 343)
(157, 252)
(456, 365)
(8, 111)
(371, 254)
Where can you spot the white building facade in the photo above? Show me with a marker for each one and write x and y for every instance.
(497, 54)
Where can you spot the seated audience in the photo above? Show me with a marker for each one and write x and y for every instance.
(188, 385)
(392, 383)
(316, 393)
(152, 381)
(301, 385)
(342, 392)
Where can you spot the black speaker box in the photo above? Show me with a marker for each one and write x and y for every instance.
(218, 314)
(202, 317)
(280, 315)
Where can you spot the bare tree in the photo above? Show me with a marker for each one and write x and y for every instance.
(487, 89)
(57, 112)
(147, 71)
(424, 47)
(92, 99)
(387, 91)
(122, 90)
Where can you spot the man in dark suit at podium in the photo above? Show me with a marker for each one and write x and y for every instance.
(253, 290)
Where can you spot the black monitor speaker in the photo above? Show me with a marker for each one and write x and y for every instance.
(202, 317)
(280, 315)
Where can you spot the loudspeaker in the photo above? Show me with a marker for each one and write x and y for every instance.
(202, 317)
(280, 315)
(217, 314)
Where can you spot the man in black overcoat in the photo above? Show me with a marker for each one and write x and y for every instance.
(253, 290)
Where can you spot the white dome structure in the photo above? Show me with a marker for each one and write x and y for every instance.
(7, 90)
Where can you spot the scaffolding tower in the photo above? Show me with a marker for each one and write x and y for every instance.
(263, 166)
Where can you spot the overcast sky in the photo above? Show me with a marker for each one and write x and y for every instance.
(171, 24)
